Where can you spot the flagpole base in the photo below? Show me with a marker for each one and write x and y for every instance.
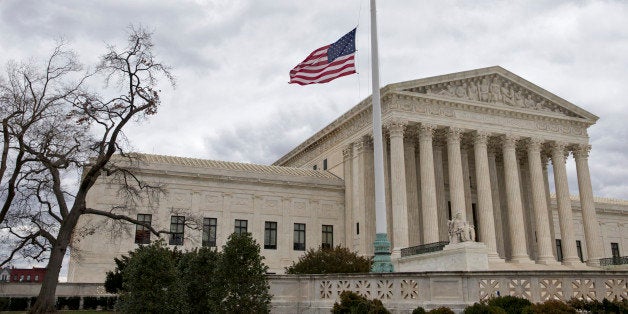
(381, 261)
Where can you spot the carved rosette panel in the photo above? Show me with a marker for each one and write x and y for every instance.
(616, 288)
(409, 289)
(384, 289)
(551, 289)
(583, 289)
(100, 290)
(488, 288)
(493, 89)
(326, 289)
(520, 288)
(343, 285)
(363, 288)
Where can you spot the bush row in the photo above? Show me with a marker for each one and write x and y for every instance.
(351, 302)
(63, 303)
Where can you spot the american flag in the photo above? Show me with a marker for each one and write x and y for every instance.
(327, 63)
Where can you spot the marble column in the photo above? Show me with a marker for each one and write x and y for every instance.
(398, 187)
(412, 191)
(589, 218)
(519, 253)
(347, 155)
(497, 207)
(565, 214)
(441, 200)
(539, 204)
(466, 178)
(485, 198)
(357, 180)
(428, 185)
(550, 211)
(456, 180)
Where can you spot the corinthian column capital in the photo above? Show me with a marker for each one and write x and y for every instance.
(581, 151)
(396, 127)
(480, 137)
(559, 151)
(347, 152)
(454, 135)
(509, 141)
(534, 144)
(426, 131)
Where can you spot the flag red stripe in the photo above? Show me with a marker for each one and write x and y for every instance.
(315, 68)
(325, 80)
(324, 77)
(326, 71)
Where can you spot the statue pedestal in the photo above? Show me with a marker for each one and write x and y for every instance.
(463, 256)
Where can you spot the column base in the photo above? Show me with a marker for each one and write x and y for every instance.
(521, 260)
(381, 261)
(572, 262)
(547, 261)
(493, 257)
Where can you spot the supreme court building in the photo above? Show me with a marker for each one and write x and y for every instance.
(478, 142)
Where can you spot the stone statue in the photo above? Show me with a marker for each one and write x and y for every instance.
(485, 90)
(448, 91)
(473, 91)
(496, 91)
(460, 230)
(519, 99)
(461, 91)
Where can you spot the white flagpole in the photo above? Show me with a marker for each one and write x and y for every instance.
(381, 262)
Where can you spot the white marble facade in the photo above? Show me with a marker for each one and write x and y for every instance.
(479, 142)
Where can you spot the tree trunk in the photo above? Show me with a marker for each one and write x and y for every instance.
(46, 300)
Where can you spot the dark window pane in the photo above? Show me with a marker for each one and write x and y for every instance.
(209, 232)
(142, 234)
(241, 226)
(328, 237)
(177, 226)
(299, 237)
(559, 250)
(270, 235)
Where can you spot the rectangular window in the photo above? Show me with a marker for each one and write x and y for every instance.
(209, 232)
(357, 227)
(270, 235)
(177, 225)
(142, 234)
(325, 164)
(241, 226)
(315, 167)
(328, 237)
(299, 237)
(559, 250)
(28, 277)
(615, 250)
(579, 249)
(36, 278)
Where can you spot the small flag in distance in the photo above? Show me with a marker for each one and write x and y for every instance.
(327, 63)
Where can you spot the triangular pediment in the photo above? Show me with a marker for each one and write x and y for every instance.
(495, 86)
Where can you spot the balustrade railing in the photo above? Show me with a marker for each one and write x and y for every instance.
(423, 248)
(615, 260)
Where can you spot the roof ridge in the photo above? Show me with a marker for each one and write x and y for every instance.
(597, 199)
(234, 165)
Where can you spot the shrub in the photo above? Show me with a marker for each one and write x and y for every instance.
(18, 304)
(90, 303)
(107, 303)
(351, 302)
(330, 261)
(441, 310)
(241, 276)
(482, 308)
(510, 304)
(198, 273)
(151, 282)
(4, 303)
(550, 306)
(419, 310)
(70, 303)
(595, 306)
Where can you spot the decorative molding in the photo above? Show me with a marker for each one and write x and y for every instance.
(581, 151)
(509, 141)
(454, 135)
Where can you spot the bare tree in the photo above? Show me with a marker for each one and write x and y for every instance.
(54, 127)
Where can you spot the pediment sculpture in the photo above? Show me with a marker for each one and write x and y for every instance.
(460, 230)
(493, 89)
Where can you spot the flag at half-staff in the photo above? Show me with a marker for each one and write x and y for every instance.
(327, 63)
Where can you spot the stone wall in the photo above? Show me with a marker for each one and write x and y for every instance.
(403, 292)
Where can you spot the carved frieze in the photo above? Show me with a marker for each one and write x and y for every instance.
(493, 89)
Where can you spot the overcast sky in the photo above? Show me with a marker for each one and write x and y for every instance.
(231, 59)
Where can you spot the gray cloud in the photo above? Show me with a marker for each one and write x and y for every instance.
(231, 60)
